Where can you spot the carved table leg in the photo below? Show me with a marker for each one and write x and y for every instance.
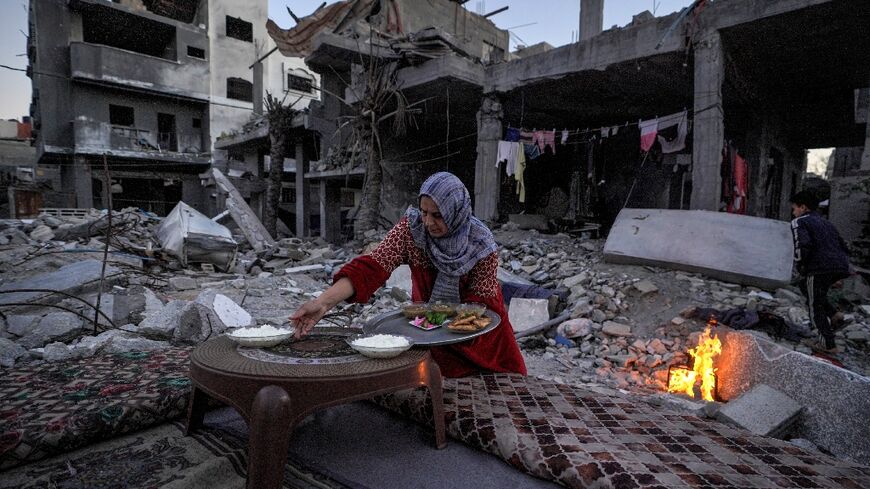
(271, 424)
(433, 381)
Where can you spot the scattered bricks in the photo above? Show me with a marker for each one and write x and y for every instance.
(646, 287)
(616, 329)
(657, 346)
(639, 345)
(182, 283)
(763, 410)
(575, 328)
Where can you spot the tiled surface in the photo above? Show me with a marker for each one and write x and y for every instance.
(585, 439)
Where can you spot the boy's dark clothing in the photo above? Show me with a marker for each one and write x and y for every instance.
(822, 258)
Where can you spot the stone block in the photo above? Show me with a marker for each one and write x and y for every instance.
(616, 329)
(134, 343)
(42, 233)
(56, 352)
(56, 326)
(182, 283)
(575, 328)
(527, 313)
(401, 278)
(721, 245)
(197, 323)
(20, 325)
(645, 287)
(162, 322)
(230, 313)
(762, 410)
(304, 269)
(787, 295)
(830, 394)
(10, 352)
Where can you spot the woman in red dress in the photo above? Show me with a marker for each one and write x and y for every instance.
(453, 258)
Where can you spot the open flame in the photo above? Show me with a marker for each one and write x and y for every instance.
(684, 380)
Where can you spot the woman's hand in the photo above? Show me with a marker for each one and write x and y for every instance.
(307, 316)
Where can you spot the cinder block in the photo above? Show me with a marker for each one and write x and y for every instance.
(763, 411)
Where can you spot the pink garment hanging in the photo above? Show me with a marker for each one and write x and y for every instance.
(648, 131)
(741, 184)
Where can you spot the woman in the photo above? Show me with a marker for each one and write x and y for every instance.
(453, 258)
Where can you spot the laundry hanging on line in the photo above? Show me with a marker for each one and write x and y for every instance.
(648, 131)
(670, 132)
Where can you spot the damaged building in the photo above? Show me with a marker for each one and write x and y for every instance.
(710, 108)
(144, 87)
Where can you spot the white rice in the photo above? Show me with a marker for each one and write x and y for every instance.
(259, 332)
(382, 341)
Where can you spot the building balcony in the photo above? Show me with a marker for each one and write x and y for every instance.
(128, 69)
(99, 138)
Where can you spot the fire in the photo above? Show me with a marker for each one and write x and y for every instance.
(684, 380)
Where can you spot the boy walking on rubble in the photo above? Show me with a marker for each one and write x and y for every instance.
(822, 259)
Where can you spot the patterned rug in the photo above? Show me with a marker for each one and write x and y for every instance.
(585, 439)
(58, 407)
(158, 457)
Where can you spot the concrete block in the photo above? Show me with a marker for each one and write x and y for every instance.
(401, 278)
(527, 313)
(729, 247)
(762, 410)
(616, 329)
(232, 315)
(645, 287)
(42, 233)
(10, 351)
(20, 325)
(68, 278)
(830, 395)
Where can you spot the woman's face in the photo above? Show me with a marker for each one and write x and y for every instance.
(432, 218)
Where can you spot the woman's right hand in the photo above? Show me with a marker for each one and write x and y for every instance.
(307, 316)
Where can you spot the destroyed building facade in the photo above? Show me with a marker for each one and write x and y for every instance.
(150, 85)
(761, 84)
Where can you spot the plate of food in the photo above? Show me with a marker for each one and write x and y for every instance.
(434, 330)
(469, 321)
(380, 345)
(261, 336)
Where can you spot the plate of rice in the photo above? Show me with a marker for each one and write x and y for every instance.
(261, 336)
(380, 345)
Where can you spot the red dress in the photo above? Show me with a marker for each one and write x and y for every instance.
(496, 351)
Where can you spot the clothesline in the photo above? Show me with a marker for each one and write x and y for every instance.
(579, 131)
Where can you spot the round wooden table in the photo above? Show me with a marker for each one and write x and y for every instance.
(273, 396)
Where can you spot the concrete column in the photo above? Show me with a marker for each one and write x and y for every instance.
(303, 191)
(330, 211)
(83, 184)
(591, 18)
(709, 126)
(486, 183)
(258, 88)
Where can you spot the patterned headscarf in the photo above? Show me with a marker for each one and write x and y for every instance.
(467, 241)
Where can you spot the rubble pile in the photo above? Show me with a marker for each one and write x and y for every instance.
(629, 324)
(50, 271)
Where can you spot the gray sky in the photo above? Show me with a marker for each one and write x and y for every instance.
(552, 21)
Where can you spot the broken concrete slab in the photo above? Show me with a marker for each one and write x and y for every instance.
(230, 313)
(525, 314)
(124, 344)
(134, 304)
(242, 214)
(729, 247)
(305, 269)
(762, 410)
(747, 360)
(55, 326)
(401, 278)
(197, 323)
(162, 323)
(42, 233)
(10, 352)
(69, 278)
(20, 325)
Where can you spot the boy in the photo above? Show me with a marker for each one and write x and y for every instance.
(822, 260)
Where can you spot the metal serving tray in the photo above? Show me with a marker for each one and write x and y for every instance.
(394, 322)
